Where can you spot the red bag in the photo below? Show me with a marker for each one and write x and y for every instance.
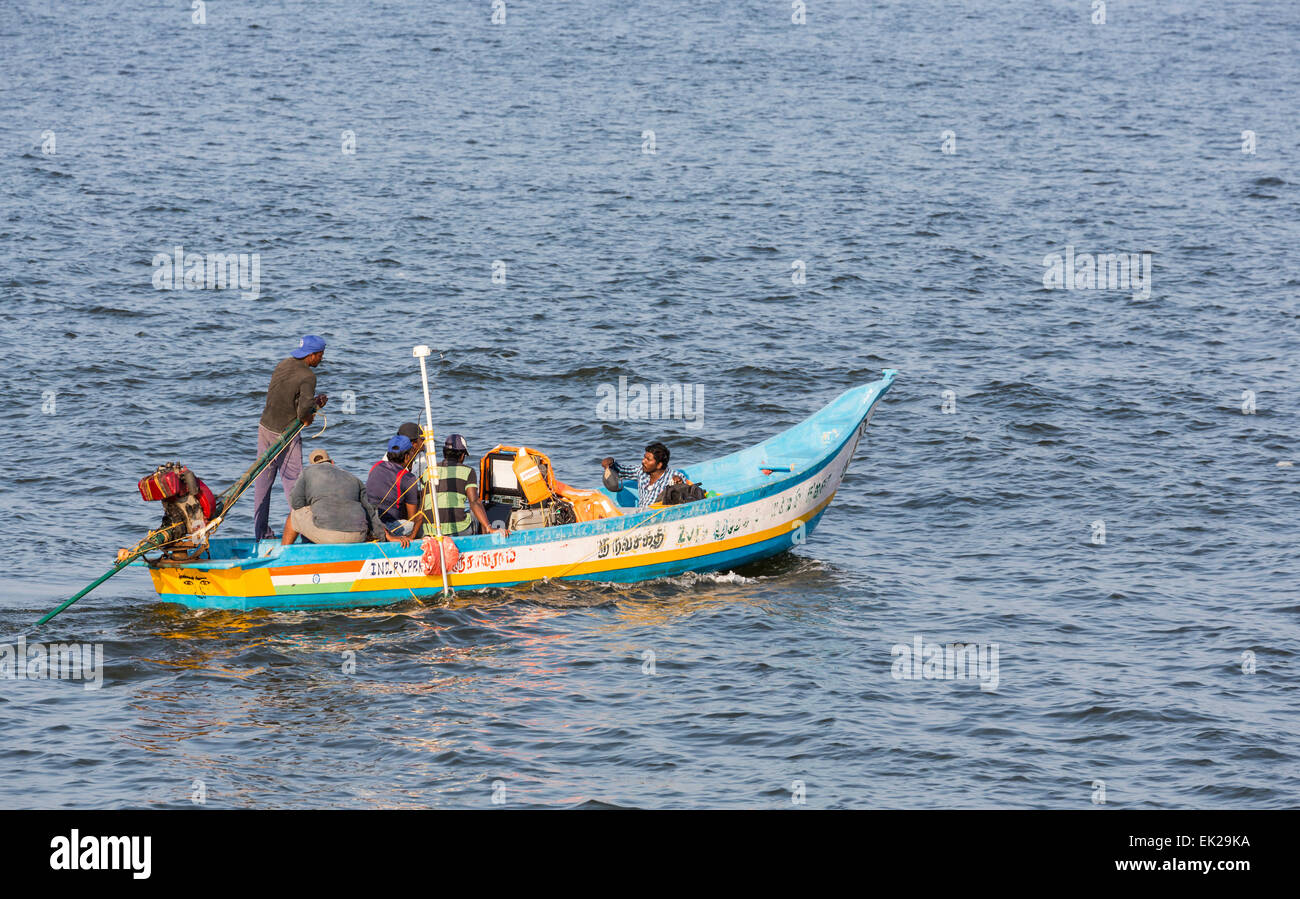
(161, 485)
(432, 548)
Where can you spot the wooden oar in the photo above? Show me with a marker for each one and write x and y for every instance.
(173, 532)
(156, 540)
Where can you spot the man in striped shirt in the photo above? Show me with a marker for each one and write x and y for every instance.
(457, 494)
(652, 478)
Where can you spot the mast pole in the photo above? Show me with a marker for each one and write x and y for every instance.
(421, 352)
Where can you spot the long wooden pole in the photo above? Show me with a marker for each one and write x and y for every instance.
(173, 532)
(156, 540)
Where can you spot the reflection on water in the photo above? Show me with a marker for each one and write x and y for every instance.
(419, 679)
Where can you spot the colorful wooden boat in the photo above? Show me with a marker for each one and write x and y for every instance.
(769, 497)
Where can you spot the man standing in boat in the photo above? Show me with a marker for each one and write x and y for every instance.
(291, 396)
(653, 477)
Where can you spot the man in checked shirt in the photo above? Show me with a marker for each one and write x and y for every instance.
(652, 478)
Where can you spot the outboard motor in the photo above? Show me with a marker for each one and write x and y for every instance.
(185, 498)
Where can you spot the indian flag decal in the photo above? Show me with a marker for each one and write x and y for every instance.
(332, 577)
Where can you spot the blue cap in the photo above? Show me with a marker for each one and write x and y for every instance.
(399, 444)
(310, 344)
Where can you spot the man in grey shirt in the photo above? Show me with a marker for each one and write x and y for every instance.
(290, 397)
(330, 506)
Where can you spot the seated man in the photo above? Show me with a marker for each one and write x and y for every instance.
(411, 431)
(653, 477)
(457, 488)
(394, 491)
(330, 506)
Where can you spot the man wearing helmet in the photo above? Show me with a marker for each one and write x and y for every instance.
(457, 495)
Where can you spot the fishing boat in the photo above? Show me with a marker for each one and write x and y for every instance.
(761, 501)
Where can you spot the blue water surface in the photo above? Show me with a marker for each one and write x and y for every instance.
(647, 182)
